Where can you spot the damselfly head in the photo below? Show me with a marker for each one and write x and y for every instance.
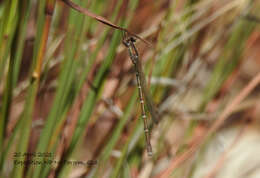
(132, 39)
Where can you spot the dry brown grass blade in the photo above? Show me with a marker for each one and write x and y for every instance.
(232, 106)
(224, 115)
(103, 20)
(184, 156)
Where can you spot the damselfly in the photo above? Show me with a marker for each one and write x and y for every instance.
(144, 95)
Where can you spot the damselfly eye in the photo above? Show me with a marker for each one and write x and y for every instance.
(132, 39)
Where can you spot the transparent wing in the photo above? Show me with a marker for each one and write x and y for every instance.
(148, 99)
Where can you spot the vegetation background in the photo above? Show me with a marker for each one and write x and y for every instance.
(68, 99)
